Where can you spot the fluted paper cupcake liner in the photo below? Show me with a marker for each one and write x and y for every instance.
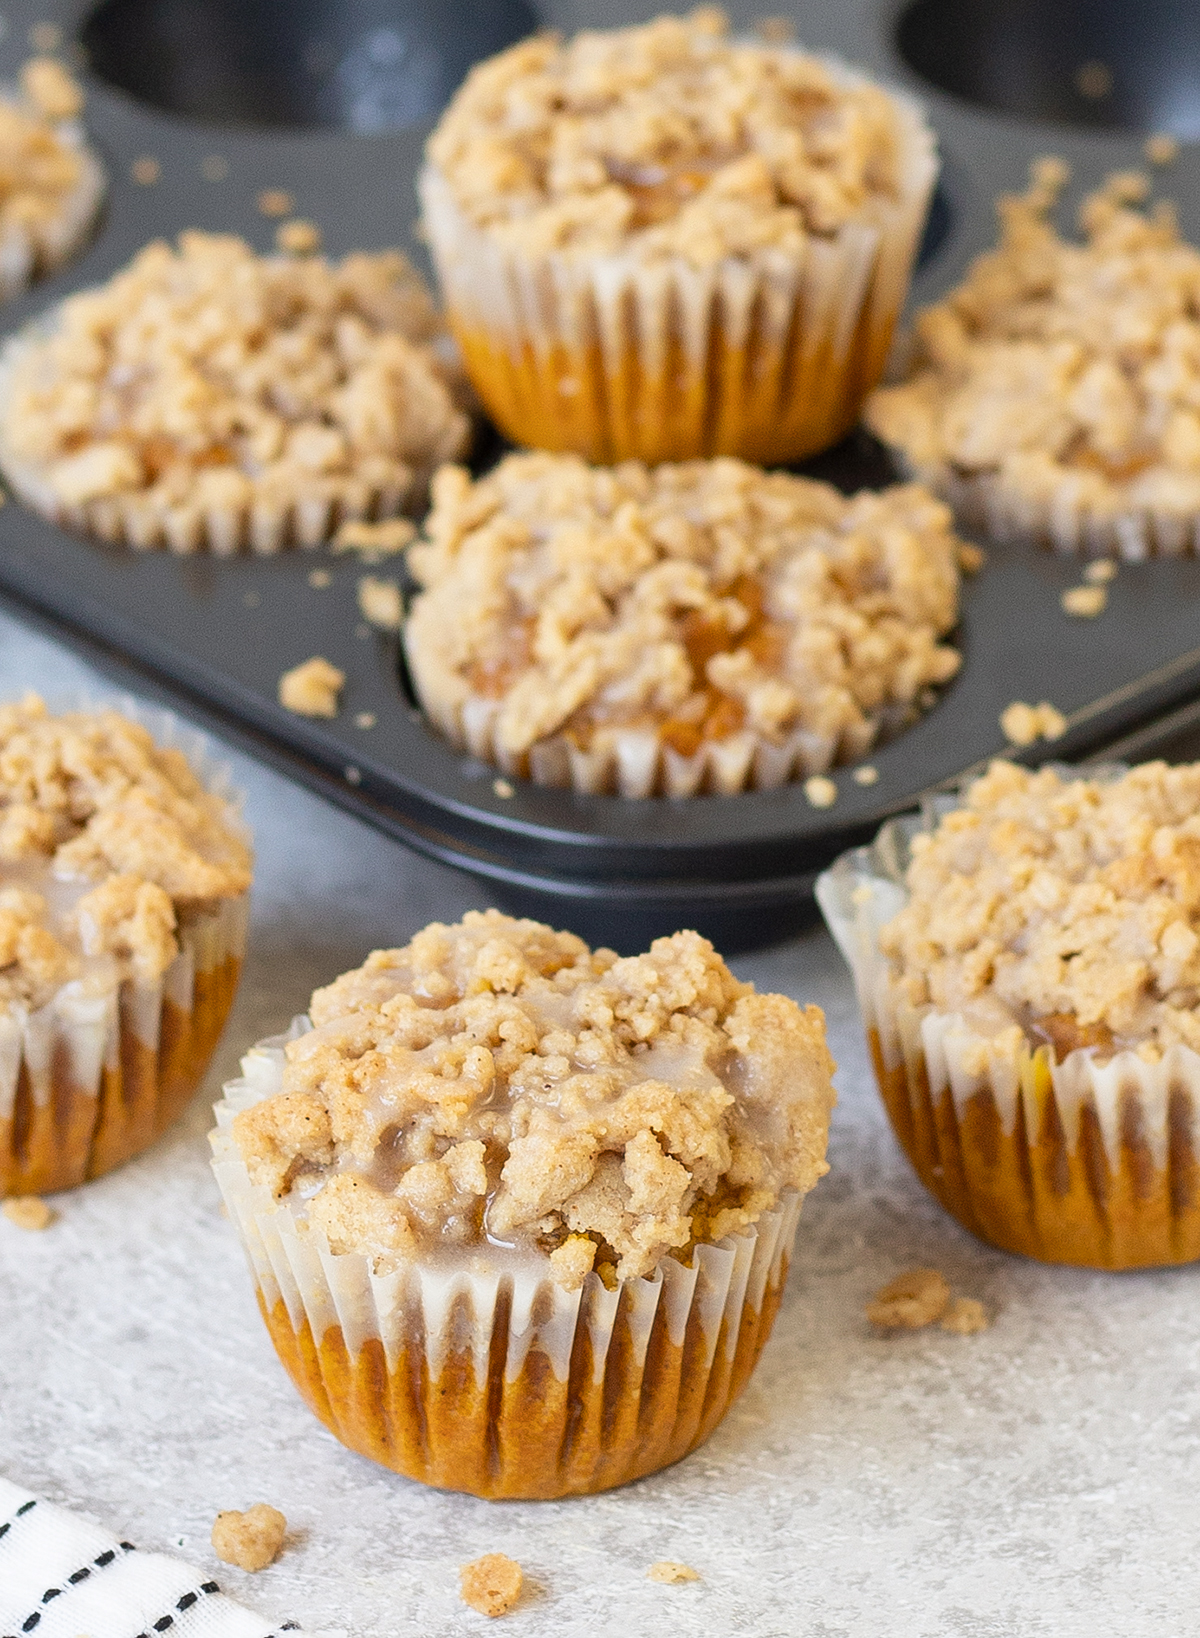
(766, 356)
(1084, 1162)
(490, 1378)
(29, 250)
(93, 1077)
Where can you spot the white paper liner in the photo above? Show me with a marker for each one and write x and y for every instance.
(31, 250)
(573, 332)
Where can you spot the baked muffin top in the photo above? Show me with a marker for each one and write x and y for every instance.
(669, 137)
(696, 599)
(206, 376)
(499, 1087)
(105, 840)
(1063, 909)
(1064, 367)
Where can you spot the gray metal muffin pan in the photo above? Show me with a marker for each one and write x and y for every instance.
(216, 633)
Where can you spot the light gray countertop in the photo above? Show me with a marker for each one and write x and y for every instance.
(1038, 1479)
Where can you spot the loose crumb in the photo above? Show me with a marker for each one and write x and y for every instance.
(51, 88)
(352, 775)
(965, 1316)
(1094, 80)
(1021, 724)
(1086, 602)
(374, 540)
(214, 168)
(29, 1211)
(380, 603)
(298, 237)
(252, 1539)
(312, 689)
(45, 36)
(866, 775)
(503, 789)
(1161, 148)
(318, 579)
(491, 1584)
(820, 791)
(911, 1301)
(145, 171)
(1100, 572)
(971, 558)
(669, 1573)
(365, 719)
(276, 202)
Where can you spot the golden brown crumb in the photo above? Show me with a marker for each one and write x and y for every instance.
(1022, 724)
(276, 202)
(52, 90)
(965, 1316)
(1086, 602)
(971, 558)
(28, 1211)
(252, 1539)
(364, 719)
(214, 168)
(1161, 149)
(318, 579)
(145, 171)
(298, 237)
(820, 792)
(380, 603)
(670, 1573)
(1100, 572)
(865, 775)
(312, 689)
(374, 540)
(491, 1584)
(910, 1301)
(44, 37)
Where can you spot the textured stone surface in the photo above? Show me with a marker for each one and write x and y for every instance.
(1037, 1479)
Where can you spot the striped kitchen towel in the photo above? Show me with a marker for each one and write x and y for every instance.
(64, 1577)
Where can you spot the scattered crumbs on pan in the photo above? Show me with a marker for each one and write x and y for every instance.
(214, 168)
(249, 1540)
(252, 599)
(1094, 80)
(502, 789)
(145, 171)
(775, 30)
(318, 579)
(971, 558)
(365, 719)
(670, 1573)
(1084, 602)
(52, 89)
(46, 37)
(1161, 148)
(865, 775)
(820, 791)
(298, 237)
(1021, 724)
(29, 1211)
(352, 775)
(276, 202)
(491, 1584)
(312, 689)
(373, 540)
(380, 603)
(965, 1317)
(1100, 572)
(910, 1301)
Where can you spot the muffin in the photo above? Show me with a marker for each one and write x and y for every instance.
(700, 627)
(519, 1214)
(1028, 964)
(124, 870)
(207, 396)
(1055, 393)
(51, 183)
(659, 242)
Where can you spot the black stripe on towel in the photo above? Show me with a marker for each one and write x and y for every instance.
(167, 1621)
(100, 1562)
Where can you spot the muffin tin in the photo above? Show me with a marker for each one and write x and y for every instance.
(219, 632)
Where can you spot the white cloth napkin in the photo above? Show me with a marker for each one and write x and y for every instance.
(64, 1577)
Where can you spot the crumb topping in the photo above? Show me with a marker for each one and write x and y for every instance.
(250, 1540)
(910, 1302)
(1023, 724)
(491, 1584)
(204, 376)
(670, 137)
(496, 1083)
(39, 168)
(1063, 363)
(1062, 911)
(696, 599)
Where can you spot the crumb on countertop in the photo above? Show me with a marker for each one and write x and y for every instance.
(380, 603)
(29, 1211)
(298, 237)
(965, 1316)
(670, 1573)
(1022, 724)
(1085, 602)
(910, 1301)
(249, 1540)
(312, 689)
(491, 1584)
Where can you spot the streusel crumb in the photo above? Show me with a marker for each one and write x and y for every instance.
(374, 540)
(252, 1539)
(669, 137)
(1022, 724)
(965, 1317)
(910, 1301)
(298, 237)
(312, 689)
(40, 170)
(670, 1573)
(380, 603)
(52, 90)
(1084, 602)
(497, 1076)
(491, 1584)
(276, 202)
(28, 1211)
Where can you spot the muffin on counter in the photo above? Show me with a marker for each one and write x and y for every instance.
(700, 627)
(520, 1213)
(660, 242)
(209, 397)
(124, 873)
(1028, 965)
(1055, 393)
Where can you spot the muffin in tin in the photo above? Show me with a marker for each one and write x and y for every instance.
(519, 1213)
(701, 627)
(1028, 965)
(1055, 393)
(124, 872)
(210, 397)
(660, 242)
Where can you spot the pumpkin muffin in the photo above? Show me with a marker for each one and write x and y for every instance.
(700, 627)
(660, 242)
(1028, 964)
(207, 396)
(124, 873)
(520, 1213)
(1055, 394)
